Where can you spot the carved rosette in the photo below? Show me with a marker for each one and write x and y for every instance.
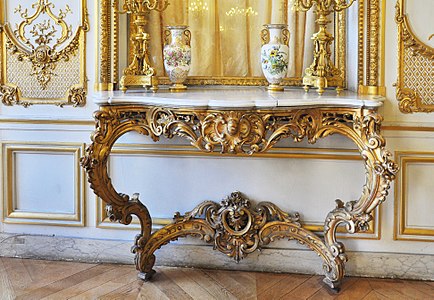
(233, 226)
(77, 96)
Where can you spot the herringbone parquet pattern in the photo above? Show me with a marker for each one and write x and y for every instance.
(36, 279)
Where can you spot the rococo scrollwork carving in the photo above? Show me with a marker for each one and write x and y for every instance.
(414, 91)
(43, 38)
(238, 228)
(234, 226)
(8, 94)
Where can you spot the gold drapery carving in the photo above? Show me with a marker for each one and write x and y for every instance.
(242, 131)
(44, 39)
(415, 85)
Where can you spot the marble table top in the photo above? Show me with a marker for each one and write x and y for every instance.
(237, 97)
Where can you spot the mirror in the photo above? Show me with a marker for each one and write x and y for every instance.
(226, 39)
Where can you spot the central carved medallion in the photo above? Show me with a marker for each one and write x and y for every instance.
(238, 226)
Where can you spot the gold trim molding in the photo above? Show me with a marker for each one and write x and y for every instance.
(401, 230)
(371, 47)
(415, 65)
(45, 52)
(9, 182)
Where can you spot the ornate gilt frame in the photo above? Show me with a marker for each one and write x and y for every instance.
(410, 99)
(108, 55)
(43, 59)
(371, 47)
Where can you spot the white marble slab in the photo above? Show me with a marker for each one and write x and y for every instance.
(237, 97)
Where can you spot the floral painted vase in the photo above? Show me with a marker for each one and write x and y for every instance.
(177, 55)
(275, 54)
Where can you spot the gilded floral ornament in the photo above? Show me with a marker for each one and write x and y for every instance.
(44, 38)
(414, 91)
(77, 96)
(44, 54)
(237, 226)
(8, 94)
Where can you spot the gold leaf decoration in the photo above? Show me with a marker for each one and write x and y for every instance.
(43, 46)
(415, 85)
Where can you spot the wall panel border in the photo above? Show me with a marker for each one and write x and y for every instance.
(401, 230)
(9, 183)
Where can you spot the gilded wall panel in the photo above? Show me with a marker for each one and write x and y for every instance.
(43, 52)
(415, 85)
(413, 197)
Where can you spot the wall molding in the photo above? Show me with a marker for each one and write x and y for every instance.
(401, 230)
(9, 183)
(387, 265)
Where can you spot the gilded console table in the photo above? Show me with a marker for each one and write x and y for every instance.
(242, 120)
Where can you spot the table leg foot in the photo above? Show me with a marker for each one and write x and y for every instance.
(333, 285)
(146, 276)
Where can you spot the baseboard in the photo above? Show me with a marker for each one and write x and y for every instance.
(365, 264)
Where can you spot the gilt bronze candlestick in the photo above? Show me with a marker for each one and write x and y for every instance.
(140, 72)
(322, 71)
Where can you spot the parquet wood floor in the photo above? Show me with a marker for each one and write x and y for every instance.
(37, 279)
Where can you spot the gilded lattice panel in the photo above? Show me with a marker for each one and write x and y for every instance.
(415, 85)
(67, 74)
(43, 52)
(419, 76)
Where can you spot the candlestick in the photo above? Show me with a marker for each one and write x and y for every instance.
(322, 70)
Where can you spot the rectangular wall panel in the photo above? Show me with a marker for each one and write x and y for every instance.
(170, 178)
(414, 205)
(43, 183)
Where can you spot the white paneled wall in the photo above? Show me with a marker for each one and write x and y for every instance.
(43, 185)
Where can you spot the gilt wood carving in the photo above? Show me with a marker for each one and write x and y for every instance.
(235, 226)
(415, 84)
(43, 46)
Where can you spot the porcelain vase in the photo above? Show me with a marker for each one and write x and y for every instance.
(275, 54)
(177, 55)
